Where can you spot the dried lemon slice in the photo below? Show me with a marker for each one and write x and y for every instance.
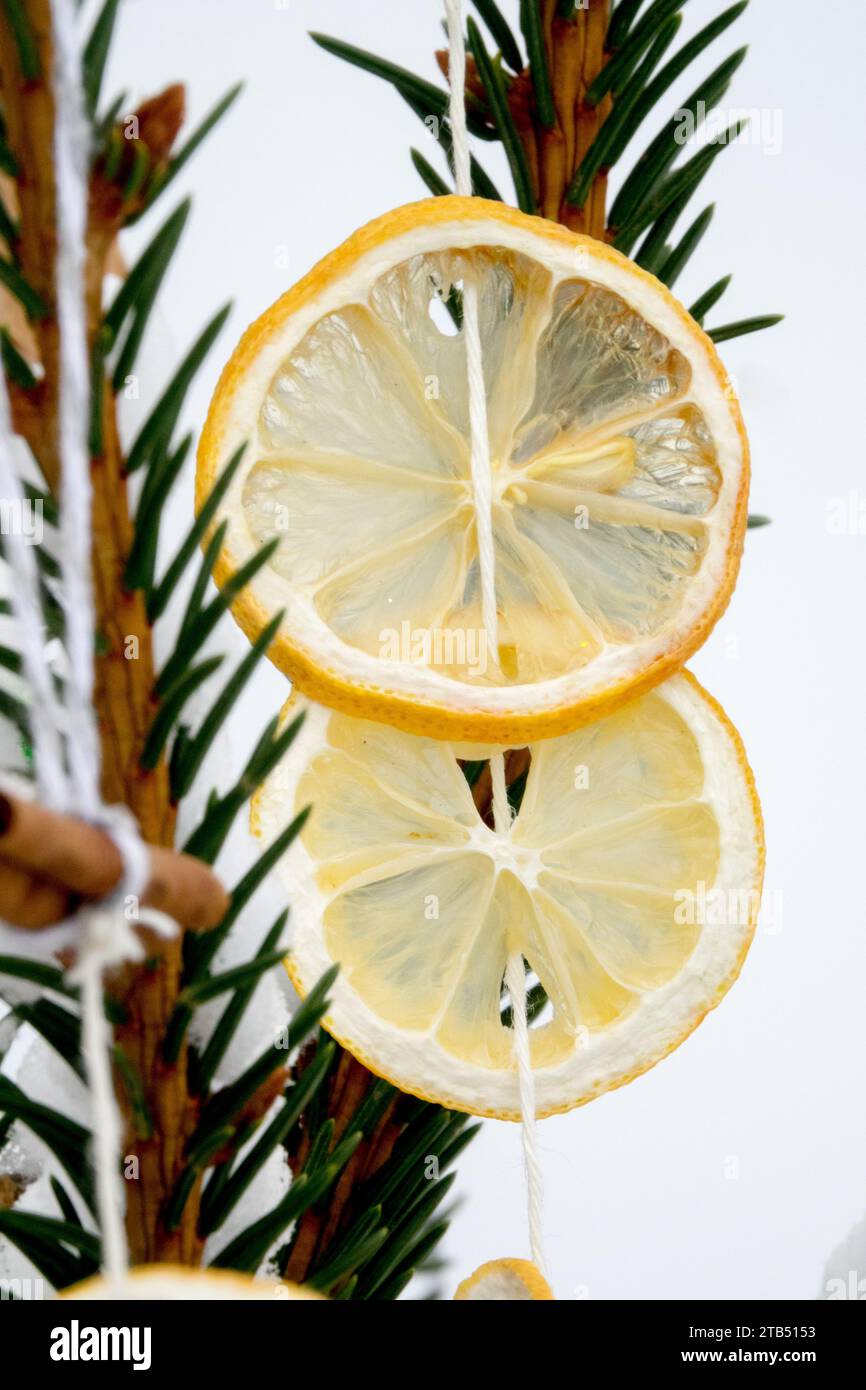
(619, 476)
(629, 881)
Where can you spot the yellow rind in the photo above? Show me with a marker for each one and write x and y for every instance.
(412, 713)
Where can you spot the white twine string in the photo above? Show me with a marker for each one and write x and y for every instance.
(65, 735)
(71, 157)
(108, 938)
(515, 979)
(501, 808)
(482, 492)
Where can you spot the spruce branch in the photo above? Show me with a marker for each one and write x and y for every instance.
(361, 1215)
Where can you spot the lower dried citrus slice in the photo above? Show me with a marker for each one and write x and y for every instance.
(629, 881)
(508, 1281)
(619, 476)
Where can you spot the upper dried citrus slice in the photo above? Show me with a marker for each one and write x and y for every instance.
(629, 882)
(505, 1281)
(619, 476)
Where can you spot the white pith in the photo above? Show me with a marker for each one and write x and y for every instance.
(309, 634)
(416, 1061)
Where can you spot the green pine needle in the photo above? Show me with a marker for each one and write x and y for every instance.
(162, 592)
(660, 154)
(298, 1096)
(601, 153)
(96, 54)
(8, 229)
(434, 100)
(206, 947)
(202, 580)
(676, 189)
(311, 1009)
(36, 972)
(339, 1267)
(137, 295)
(743, 326)
(66, 1139)
(530, 24)
(141, 1117)
(206, 1064)
(402, 1243)
(65, 1202)
(173, 700)
(32, 303)
(246, 1251)
(617, 70)
(500, 32)
(8, 163)
(709, 298)
(240, 975)
(157, 430)
(196, 748)
(671, 269)
(60, 1029)
(435, 183)
(491, 80)
(620, 23)
(159, 482)
(167, 176)
(665, 79)
(200, 624)
(413, 1260)
(482, 184)
(44, 1240)
(138, 172)
(25, 39)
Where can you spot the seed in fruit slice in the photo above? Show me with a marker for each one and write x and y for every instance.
(619, 476)
(629, 882)
(510, 1281)
(180, 1284)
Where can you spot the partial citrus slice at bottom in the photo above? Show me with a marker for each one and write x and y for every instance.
(505, 1281)
(629, 882)
(179, 1284)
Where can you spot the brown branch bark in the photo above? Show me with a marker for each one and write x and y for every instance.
(583, 57)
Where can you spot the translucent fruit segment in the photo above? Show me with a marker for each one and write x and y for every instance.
(401, 940)
(598, 361)
(330, 511)
(604, 473)
(633, 760)
(425, 905)
(345, 390)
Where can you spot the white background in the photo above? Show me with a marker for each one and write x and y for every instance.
(640, 1199)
